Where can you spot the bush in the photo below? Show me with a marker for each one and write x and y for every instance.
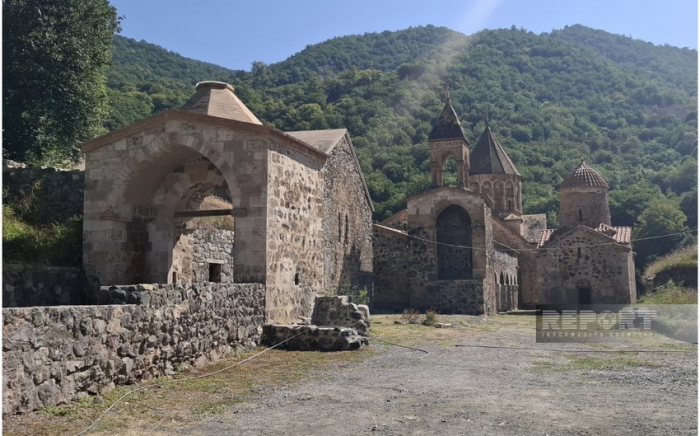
(54, 244)
(431, 317)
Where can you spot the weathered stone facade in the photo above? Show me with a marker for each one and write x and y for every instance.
(38, 285)
(144, 180)
(53, 354)
(203, 254)
(470, 249)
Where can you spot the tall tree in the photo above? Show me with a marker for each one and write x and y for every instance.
(56, 53)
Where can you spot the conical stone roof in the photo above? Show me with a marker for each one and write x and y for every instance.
(489, 157)
(583, 177)
(447, 125)
(218, 100)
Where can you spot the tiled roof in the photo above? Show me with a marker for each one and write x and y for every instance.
(489, 157)
(583, 177)
(621, 235)
(447, 125)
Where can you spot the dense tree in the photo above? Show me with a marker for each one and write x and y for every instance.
(660, 229)
(55, 56)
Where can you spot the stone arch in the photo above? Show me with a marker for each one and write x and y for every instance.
(498, 198)
(510, 196)
(474, 186)
(454, 243)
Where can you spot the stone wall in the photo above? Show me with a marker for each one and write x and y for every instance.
(585, 259)
(586, 206)
(392, 268)
(454, 296)
(347, 222)
(197, 250)
(52, 354)
(339, 311)
(59, 194)
(36, 285)
(294, 235)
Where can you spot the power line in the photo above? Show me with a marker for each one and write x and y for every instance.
(690, 231)
(182, 380)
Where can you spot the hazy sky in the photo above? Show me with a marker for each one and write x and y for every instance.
(234, 33)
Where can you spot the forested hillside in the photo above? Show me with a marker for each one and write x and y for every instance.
(626, 106)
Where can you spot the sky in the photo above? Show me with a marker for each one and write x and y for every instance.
(234, 33)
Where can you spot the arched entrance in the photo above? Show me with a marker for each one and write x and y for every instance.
(454, 237)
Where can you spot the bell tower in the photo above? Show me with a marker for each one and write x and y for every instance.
(448, 140)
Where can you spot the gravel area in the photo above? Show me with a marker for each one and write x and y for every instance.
(457, 390)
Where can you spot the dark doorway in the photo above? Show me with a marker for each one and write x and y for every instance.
(454, 236)
(215, 272)
(584, 296)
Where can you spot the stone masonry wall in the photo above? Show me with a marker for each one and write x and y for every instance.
(52, 354)
(583, 259)
(59, 194)
(294, 235)
(347, 222)
(392, 265)
(197, 248)
(35, 285)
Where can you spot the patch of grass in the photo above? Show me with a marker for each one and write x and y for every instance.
(172, 405)
(430, 318)
(54, 243)
(587, 363)
(684, 258)
(671, 293)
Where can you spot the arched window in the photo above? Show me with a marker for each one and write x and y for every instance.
(503, 281)
(486, 189)
(580, 215)
(474, 186)
(498, 194)
(454, 236)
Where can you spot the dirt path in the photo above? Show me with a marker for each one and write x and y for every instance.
(483, 391)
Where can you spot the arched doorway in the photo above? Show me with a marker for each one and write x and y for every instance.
(454, 238)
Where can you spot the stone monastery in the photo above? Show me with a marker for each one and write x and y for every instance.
(303, 218)
(160, 292)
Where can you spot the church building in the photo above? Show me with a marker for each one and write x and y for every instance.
(470, 249)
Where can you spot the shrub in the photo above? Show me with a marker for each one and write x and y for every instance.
(431, 317)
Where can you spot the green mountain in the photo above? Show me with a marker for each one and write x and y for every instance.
(628, 107)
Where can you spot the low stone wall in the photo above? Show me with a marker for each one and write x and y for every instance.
(339, 311)
(313, 338)
(36, 285)
(59, 194)
(52, 354)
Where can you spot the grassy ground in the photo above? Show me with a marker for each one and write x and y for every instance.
(171, 404)
(685, 257)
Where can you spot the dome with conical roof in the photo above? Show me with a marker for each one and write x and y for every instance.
(584, 177)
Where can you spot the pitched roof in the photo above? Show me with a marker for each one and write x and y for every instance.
(583, 177)
(323, 140)
(489, 157)
(621, 235)
(218, 100)
(447, 125)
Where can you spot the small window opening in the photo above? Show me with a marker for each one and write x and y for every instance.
(296, 279)
(579, 252)
(215, 272)
(580, 215)
(174, 277)
(346, 229)
(510, 204)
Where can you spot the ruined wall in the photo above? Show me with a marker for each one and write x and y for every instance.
(37, 285)
(454, 296)
(295, 236)
(198, 248)
(393, 267)
(584, 259)
(347, 221)
(339, 311)
(51, 354)
(58, 194)
(505, 271)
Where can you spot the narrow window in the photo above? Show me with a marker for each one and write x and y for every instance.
(174, 277)
(215, 272)
(579, 252)
(510, 205)
(346, 229)
(580, 215)
(296, 279)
